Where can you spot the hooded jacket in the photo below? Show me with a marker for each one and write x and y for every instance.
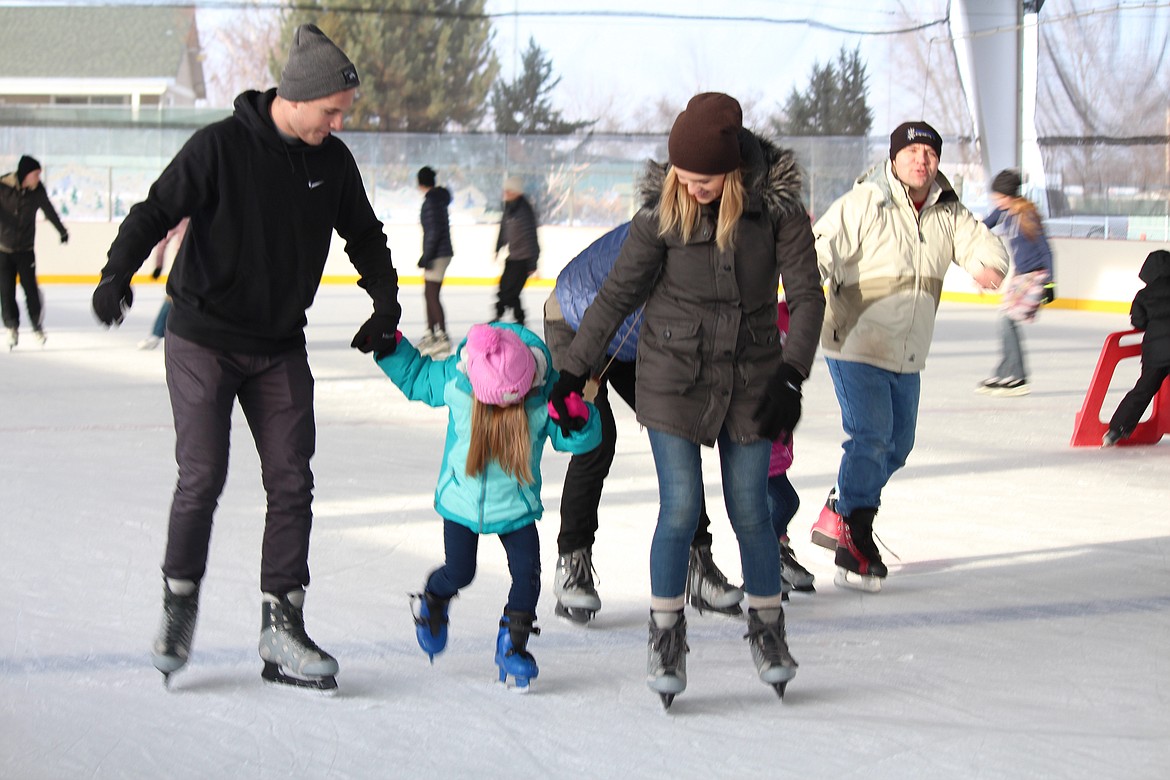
(1150, 311)
(263, 213)
(18, 214)
(493, 502)
(709, 342)
(518, 231)
(885, 262)
(436, 226)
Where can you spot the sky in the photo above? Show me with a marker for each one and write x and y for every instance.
(1023, 631)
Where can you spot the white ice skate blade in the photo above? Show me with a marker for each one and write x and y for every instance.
(667, 683)
(574, 600)
(864, 582)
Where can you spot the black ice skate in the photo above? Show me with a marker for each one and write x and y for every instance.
(290, 656)
(769, 644)
(859, 564)
(172, 647)
(577, 598)
(707, 589)
(666, 655)
(794, 575)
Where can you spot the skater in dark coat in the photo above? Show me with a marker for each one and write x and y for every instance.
(721, 224)
(518, 234)
(265, 190)
(22, 195)
(1150, 312)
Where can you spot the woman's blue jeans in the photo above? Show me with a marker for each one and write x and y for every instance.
(879, 412)
(680, 492)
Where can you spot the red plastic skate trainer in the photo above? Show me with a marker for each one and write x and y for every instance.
(1089, 428)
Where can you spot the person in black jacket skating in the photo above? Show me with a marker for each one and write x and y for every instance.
(436, 257)
(21, 196)
(518, 234)
(264, 190)
(1150, 312)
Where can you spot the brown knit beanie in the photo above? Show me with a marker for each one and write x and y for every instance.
(316, 68)
(705, 137)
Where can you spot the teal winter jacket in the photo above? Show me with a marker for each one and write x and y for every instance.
(493, 502)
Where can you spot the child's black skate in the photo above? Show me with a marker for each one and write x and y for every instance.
(512, 656)
(430, 623)
(172, 647)
(766, 635)
(794, 575)
(707, 589)
(666, 655)
(577, 599)
(290, 656)
(859, 564)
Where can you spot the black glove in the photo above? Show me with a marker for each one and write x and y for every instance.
(112, 299)
(566, 385)
(156, 273)
(377, 335)
(424, 263)
(779, 409)
(64, 236)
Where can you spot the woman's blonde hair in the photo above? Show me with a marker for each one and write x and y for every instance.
(1029, 218)
(677, 210)
(500, 433)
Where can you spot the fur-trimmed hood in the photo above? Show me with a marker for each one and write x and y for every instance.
(771, 175)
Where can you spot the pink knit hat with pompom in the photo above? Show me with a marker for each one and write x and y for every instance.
(499, 364)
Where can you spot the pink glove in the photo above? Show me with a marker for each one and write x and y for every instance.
(578, 410)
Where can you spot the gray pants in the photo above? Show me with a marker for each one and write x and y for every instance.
(1011, 362)
(276, 396)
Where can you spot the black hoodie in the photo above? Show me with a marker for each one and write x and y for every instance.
(262, 215)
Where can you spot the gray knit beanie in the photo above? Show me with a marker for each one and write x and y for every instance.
(316, 67)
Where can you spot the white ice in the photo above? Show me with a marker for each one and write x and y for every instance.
(1024, 633)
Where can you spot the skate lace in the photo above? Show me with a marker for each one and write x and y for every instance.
(290, 622)
(579, 569)
(180, 619)
(670, 644)
(709, 571)
(769, 638)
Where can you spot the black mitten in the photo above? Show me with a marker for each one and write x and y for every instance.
(112, 299)
(567, 384)
(779, 409)
(377, 335)
(156, 273)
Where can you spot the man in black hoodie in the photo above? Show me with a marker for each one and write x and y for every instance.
(264, 190)
(22, 195)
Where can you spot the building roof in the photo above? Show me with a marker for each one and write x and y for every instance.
(95, 42)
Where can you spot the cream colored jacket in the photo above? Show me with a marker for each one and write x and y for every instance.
(884, 264)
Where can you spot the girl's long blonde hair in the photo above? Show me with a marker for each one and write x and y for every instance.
(500, 433)
(677, 210)
(1027, 215)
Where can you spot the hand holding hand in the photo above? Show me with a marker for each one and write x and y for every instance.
(112, 299)
(567, 385)
(779, 409)
(378, 335)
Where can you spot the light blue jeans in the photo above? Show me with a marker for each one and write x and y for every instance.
(680, 491)
(879, 412)
(1011, 362)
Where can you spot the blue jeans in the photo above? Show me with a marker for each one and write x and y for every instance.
(680, 492)
(460, 550)
(879, 412)
(782, 503)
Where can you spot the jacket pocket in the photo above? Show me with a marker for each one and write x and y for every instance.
(670, 355)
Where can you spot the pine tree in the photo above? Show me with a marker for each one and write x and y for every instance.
(422, 70)
(834, 103)
(523, 107)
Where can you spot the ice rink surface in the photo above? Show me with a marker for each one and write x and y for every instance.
(1024, 632)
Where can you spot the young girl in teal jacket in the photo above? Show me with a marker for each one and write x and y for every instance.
(496, 389)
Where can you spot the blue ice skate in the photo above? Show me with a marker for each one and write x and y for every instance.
(512, 654)
(430, 623)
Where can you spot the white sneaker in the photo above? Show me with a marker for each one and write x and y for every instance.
(150, 342)
(13, 337)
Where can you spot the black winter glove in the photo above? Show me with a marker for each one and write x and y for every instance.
(566, 385)
(377, 335)
(64, 236)
(112, 299)
(156, 273)
(779, 409)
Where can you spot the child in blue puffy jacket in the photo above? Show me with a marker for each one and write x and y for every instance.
(496, 389)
